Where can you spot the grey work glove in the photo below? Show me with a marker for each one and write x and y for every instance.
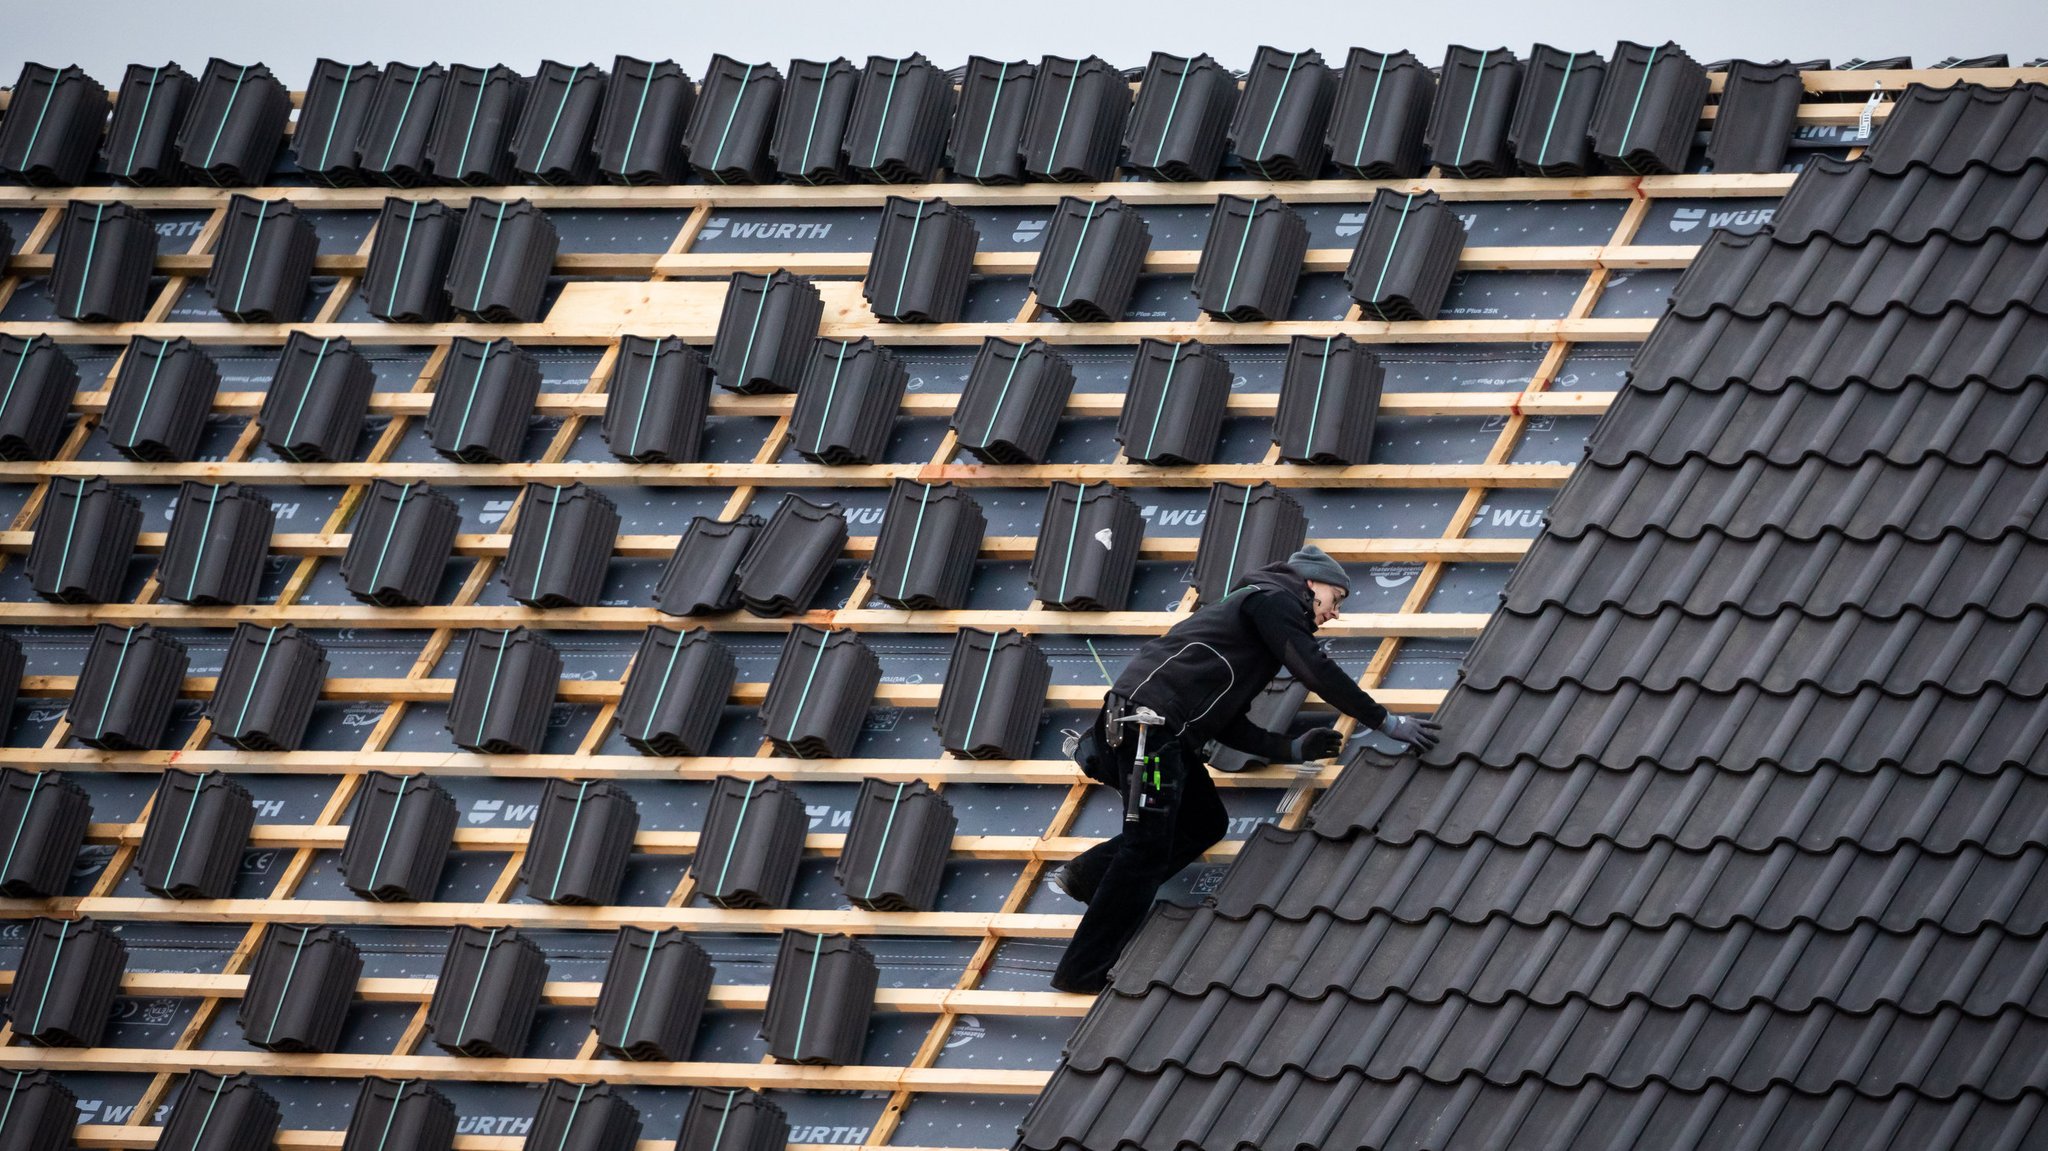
(1314, 744)
(1419, 734)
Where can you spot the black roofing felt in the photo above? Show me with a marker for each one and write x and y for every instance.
(55, 146)
(1735, 835)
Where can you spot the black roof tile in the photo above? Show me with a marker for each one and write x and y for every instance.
(331, 116)
(150, 104)
(787, 563)
(1752, 273)
(1743, 729)
(1274, 708)
(551, 143)
(300, 985)
(923, 256)
(1010, 407)
(1282, 114)
(732, 1119)
(65, 981)
(1296, 874)
(702, 574)
(84, 539)
(811, 121)
(405, 279)
(896, 127)
(32, 414)
(483, 401)
(1251, 260)
(269, 682)
(924, 554)
(44, 1111)
(1649, 109)
(730, 123)
(234, 126)
(1754, 121)
(504, 691)
(820, 999)
(1329, 401)
(655, 987)
(1089, 264)
(1174, 403)
(54, 147)
(847, 402)
(656, 400)
(1942, 809)
(472, 134)
(988, 129)
(1851, 202)
(750, 843)
(672, 702)
(1879, 576)
(1194, 950)
(221, 1113)
(638, 139)
(1074, 125)
(1968, 425)
(1948, 129)
(561, 549)
(1379, 114)
(1181, 118)
(993, 695)
(399, 1113)
(1467, 134)
(315, 405)
(582, 836)
(498, 270)
(1087, 549)
(1406, 255)
(399, 838)
(49, 814)
(1778, 349)
(818, 700)
(583, 1117)
(1245, 528)
(765, 331)
(103, 258)
(195, 851)
(397, 125)
(1550, 132)
(897, 845)
(219, 538)
(487, 993)
(263, 262)
(126, 687)
(159, 400)
(399, 544)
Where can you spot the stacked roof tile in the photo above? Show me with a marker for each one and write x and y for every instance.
(1734, 837)
(820, 1000)
(896, 847)
(399, 838)
(48, 813)
(32, 413)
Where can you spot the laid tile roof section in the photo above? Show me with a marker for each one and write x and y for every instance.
(1738, 834)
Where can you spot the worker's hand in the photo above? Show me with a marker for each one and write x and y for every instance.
(1419, 734)
(1315, 743)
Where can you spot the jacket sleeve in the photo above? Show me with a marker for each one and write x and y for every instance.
(1246, 736)
(1285, 631)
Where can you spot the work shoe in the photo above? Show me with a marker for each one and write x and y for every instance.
(1061, 879)
(1094, 988)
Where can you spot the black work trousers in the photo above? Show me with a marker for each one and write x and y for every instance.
(1120, 877)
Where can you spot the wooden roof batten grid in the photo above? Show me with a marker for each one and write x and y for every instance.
(576, 326)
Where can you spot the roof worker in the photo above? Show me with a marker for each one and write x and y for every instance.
(1181, 690)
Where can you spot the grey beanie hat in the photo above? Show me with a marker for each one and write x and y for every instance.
(1312, 562)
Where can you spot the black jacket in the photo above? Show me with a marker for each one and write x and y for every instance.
(1204, 673)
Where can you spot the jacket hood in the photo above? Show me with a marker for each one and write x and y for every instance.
(1275, 576)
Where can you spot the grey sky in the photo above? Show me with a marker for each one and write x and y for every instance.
(106, 35)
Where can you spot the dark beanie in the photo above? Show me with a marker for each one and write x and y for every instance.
(1312, 562)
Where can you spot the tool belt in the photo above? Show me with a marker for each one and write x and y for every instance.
(1144, 785)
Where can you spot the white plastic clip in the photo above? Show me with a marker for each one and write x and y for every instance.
(1869, 111)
